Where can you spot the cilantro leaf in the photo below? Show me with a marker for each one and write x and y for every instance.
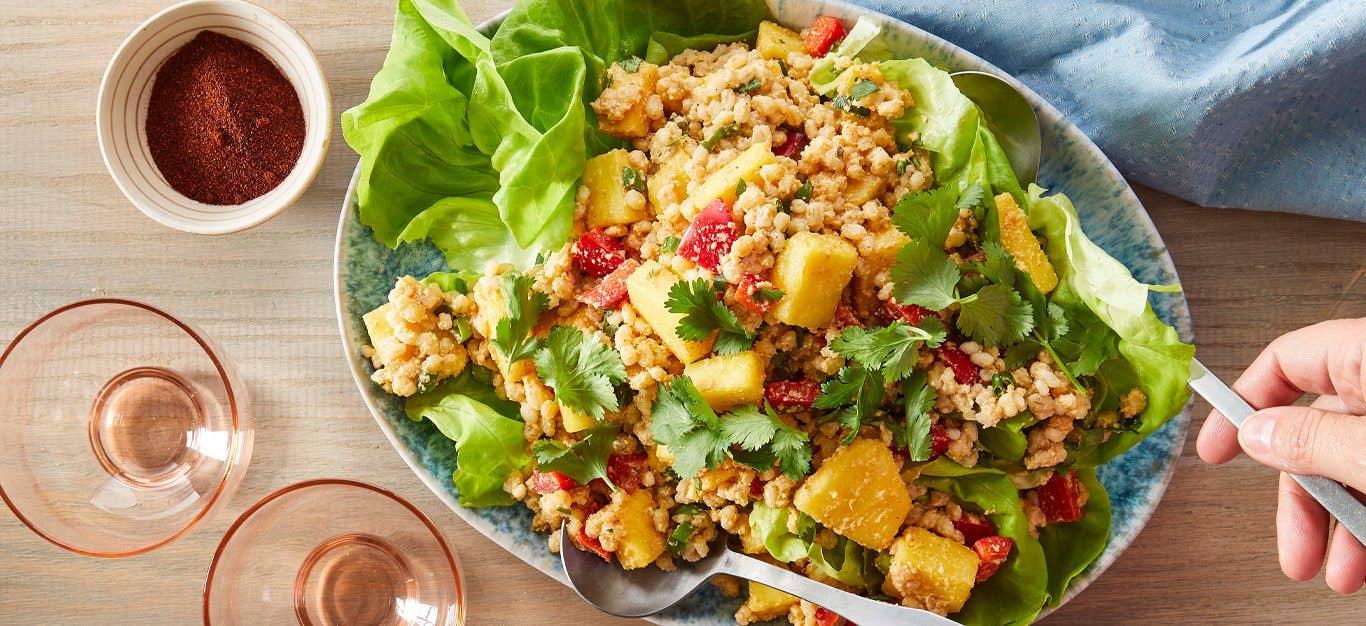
(803, 193)
(584, 460)
(856, 392)
(920, 398)
(766, 294)
(995, 315)
(971, 197)
(927, 216)
(670, 244)
(699, 449)
(769, 438)
(753, 85)
(699, 439)
(999, 266)
(893, 349)
(581, 369)
(925, 276)
(512, 334)
(862, 88)
(678, 539)
(630, 65)
(699, 301)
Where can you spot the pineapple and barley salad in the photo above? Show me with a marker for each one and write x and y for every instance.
(804, 188)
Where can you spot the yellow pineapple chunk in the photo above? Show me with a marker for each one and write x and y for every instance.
(885, 246)
(938, 573)
(606, 195)
(621, 106)
(1021, 243)
(639, 542)
(863, 189)
(721, 183)
(575, 421)
(376, 324)
(858, 493)
(775, 42)
(729, 379)
(812, 270)
(765, 603)
(648, 288)
(669, 184)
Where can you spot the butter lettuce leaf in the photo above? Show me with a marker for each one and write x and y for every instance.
(1090, 277)
(1016, 593)
(486, 431)
(1073, 546)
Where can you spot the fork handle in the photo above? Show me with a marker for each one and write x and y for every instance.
(854, 608)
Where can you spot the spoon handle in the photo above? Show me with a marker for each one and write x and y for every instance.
(1339, 502)
(855, 608)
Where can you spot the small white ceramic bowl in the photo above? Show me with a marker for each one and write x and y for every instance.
(127, 87)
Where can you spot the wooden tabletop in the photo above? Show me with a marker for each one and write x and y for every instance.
(66, 233)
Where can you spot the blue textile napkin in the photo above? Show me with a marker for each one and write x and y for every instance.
(1231, 104)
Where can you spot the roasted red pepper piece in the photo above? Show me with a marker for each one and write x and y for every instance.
(822, 35)
(993, 552)
(610, 293)
(597, 254)
(844, 316)
(748, 294)
(550, 482)
(626, 470)
(964, 370)
(1061, 497)
(792, 147)
(939, 440)
(710, 236)
(826, 617)
(591, 544)
(912, 314)
(792, 394)
(974, 526)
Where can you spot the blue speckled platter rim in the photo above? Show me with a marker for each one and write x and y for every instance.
(1071, 164)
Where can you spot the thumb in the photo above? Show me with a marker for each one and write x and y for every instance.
(1308, 440)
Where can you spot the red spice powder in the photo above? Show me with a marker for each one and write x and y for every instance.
(223, 124)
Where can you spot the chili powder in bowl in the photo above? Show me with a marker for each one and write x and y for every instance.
(213, 116)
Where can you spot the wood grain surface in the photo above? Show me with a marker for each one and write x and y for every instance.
(66, 233)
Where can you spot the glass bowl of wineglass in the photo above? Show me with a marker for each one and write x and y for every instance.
(123, 427)
(334, 552)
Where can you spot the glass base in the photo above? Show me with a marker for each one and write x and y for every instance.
(143, 426)
(353, 579)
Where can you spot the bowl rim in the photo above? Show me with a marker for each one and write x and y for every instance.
(310, 167)
(451, 559)
(240, 423)
(1041, 106)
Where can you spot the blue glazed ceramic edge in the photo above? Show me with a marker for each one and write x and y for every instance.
(364, 270)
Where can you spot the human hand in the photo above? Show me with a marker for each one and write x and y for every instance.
(1326, 438)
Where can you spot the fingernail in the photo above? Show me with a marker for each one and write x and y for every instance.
(1255, 435)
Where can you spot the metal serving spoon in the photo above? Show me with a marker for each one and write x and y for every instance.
(1012, 119)
(651, 590)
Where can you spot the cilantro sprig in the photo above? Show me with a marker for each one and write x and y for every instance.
(856, 391)
(512, 334)
(698, 438)
(700, 302)
(582, 370)
(584, 460)
(992, 314)
(889, 349)
(764, 439)
(919, 399)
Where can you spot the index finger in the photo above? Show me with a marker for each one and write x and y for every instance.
(1325, 359)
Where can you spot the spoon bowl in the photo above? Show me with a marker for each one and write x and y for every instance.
(650, 590)
(1009, 116)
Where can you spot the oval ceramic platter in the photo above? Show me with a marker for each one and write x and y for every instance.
(365, 271)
